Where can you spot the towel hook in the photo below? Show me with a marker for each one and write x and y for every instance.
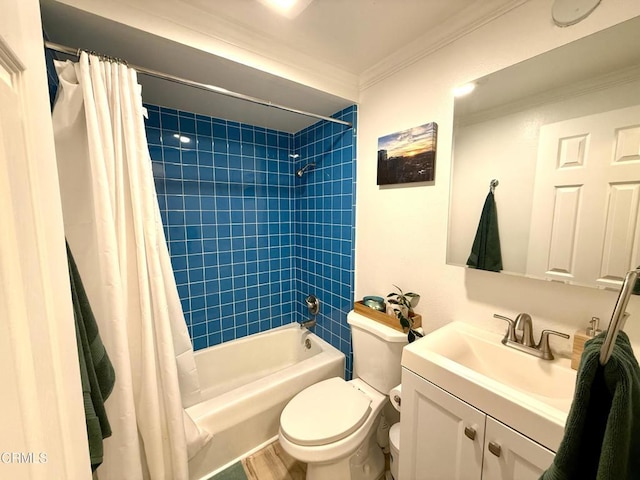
(494, 183)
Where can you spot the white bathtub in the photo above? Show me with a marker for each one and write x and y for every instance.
(246, 384)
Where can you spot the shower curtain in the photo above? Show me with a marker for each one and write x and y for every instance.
(113, 227)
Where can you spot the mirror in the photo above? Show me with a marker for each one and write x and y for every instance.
(561, 133)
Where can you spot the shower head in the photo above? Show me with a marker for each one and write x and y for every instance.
(300, 172)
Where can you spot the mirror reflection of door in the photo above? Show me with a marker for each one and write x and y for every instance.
(586, 199)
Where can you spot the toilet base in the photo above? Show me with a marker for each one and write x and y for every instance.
(366, 463)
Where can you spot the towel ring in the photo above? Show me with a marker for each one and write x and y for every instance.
(493, 184)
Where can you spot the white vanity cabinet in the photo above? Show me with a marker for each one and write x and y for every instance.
(443, 437)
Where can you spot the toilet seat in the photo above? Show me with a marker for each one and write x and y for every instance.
(324, 413)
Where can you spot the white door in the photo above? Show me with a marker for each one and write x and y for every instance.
(586, 197)
(441, 436)
(509, 455)
(43, 433)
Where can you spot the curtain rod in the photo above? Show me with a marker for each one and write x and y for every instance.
(203, 86)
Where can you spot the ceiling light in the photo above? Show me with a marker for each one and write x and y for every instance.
(287, 8)
(463, 90)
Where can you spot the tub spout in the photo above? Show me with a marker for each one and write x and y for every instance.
(308, 324)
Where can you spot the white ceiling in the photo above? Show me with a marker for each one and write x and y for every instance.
(352, 35)
(356, 38)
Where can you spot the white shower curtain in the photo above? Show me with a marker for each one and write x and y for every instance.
(114, 230)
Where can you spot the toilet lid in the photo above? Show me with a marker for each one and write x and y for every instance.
(324, 413)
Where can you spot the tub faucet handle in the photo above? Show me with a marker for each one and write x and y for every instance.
(313, 304)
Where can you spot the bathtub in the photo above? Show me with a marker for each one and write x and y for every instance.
(246, 384)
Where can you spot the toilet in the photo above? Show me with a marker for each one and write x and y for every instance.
(331, 425)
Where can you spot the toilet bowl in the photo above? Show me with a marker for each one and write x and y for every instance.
(331, 426)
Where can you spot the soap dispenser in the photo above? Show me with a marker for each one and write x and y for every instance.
(579, 339)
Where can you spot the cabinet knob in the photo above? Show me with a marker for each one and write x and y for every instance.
(470, 432)
(495, 448)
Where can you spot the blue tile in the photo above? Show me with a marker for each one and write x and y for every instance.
(220, 146)
(199, 343)
(154, 118)
(177, 248)
(155, 152)
(226, 311)
(189, 157)
(203, 127)
(205, 144)
(219, 129)
(246, 134)
(227, 322)
(181, 277)
(234, 148)
(168, 121)
(241, 230)
(214, 339)
(153, 136)
(233, 131)
(199, 330)
(187, 124)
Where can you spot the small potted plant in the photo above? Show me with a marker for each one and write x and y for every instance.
(402, 305)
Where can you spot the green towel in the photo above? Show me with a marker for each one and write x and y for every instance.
(96, 372)
(602, 435)
(485, 252)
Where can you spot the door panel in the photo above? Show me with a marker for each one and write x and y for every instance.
(585, 211)
(441, 436)
(509, 455)
(43, 432)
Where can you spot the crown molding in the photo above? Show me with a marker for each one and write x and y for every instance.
(445, 34)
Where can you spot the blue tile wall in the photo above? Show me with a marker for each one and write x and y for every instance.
(249, 240)
(226, 200)
(325, 226)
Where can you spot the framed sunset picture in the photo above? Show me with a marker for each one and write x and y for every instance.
(408, 156)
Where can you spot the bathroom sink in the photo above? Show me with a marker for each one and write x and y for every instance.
(529, 394)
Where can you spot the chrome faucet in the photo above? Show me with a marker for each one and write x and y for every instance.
(519, 335)
(313, 305)
(524, 330)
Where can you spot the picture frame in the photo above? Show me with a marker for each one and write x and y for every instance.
(408, 156)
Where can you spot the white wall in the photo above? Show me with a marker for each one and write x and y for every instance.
(401, 232)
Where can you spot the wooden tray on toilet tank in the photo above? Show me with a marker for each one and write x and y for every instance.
(380, 317)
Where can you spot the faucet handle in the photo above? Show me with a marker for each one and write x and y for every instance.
(511, 329)
(544, 347)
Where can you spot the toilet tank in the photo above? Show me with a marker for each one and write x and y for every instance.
(377, 352)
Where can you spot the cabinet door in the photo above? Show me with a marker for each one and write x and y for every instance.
(510, 455)
(441, 436)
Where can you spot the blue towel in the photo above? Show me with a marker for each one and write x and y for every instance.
(485, 252)
(602, 435)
